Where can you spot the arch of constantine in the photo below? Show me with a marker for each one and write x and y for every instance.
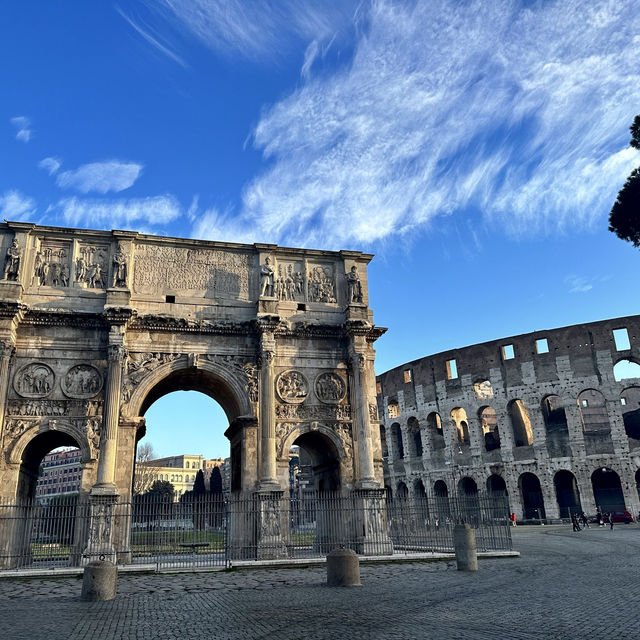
(95, 326)
(550, 419)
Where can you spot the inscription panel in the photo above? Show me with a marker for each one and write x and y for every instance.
(207, 273)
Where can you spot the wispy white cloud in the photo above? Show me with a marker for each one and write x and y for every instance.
(578, 284)
(51, 165)
(148, 33)
(517, 110)
(100, 177)
(257, 30)
(16, 206)
(120, 213)
(23, 128)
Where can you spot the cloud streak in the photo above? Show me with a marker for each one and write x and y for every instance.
(517, 110)
(120, 213)
(260, 31)
(50, 165)
(100, 177)
(16, 206)
(23, 128)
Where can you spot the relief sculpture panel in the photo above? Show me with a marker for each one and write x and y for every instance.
(292, 387)
(51, 267)
(34, 380)
(330, 388)
(208, 273)
(82, 381)
(321, 283)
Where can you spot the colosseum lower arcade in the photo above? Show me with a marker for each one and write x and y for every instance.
(551, 419)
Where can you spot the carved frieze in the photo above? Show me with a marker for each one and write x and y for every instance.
(243, 368)
(373, 412)
(91, 265)
(321, 283)
(313, 412)
(330, 388)
(51, 267)
(289, 283)
(34, 380)
(209, 273)
(82, 381)
(54, 408)
(139, 365)
(15, 428)
(292, 387)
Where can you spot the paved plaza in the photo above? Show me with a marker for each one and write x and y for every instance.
(564, 585)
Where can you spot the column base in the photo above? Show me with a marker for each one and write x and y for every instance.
(372, 537)
(270, 519)
(100, 533)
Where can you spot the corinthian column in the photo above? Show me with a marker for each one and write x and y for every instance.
(360, 409)
(268, 477)
(107, 462)
(6, 351)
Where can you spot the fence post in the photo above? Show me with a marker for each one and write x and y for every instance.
(343, 568)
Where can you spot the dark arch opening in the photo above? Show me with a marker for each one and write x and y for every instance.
(532, 499)
(440, 489)
(520, 423)
(416, 438)
(402, 492)
(467, 487)
(398, 446)
(630, 401)
(324, 458)
(496, 485)
(434, 424)
(383, 442)
(490, 431)
(555, 420)
(567, 493)
(607, 490)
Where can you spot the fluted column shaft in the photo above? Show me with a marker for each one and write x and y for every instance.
(107, 463)
(267, 411)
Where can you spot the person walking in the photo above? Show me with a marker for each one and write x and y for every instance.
(512, 517)
(599, 517)
(585, 520)
(611, 519)
(574, 521)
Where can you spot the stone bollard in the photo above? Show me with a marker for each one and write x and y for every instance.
(343, 568)
(464, 539)
(100, 581)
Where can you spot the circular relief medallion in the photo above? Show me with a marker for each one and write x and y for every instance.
(292, 387)
(330, 388)
(82, 381)
(34, 380)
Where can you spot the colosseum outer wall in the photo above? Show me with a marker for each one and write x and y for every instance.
(539, 416)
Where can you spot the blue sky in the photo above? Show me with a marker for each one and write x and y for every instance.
(474, 147)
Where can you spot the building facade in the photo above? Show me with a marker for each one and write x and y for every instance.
(551, 419)
(180, 471)
(60, 474)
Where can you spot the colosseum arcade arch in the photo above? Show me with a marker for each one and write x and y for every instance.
(97, 325)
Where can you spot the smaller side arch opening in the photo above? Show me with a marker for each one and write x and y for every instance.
(520, 423)
(398, 445)
(434, 423)
(567, 493)
(324, 460)
(415, 437)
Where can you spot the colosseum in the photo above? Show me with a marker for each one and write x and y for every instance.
(551, 419)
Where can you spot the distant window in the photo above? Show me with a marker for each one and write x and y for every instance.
(542, 346)
(621, 338)
(507, 352)
(408, 375)
(623, 401)
(585, 403)
(170, 299)
(626, 369)
(393, 409)
(452, 369)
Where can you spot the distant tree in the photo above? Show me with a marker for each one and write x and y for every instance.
(624, 219)
(199, 488)
(215, 482)
(161, 490)
(145, 473)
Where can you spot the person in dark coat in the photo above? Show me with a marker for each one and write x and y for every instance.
(611, 519)
(585, 520)
(574, 521)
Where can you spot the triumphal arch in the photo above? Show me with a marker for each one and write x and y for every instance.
(95, 326)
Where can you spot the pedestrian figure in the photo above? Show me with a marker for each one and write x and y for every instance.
(512, 517)
(585, 520)
(599, 518)
(574, 521)
(611, 519)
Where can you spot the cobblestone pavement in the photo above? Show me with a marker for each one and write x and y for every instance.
(565, 585)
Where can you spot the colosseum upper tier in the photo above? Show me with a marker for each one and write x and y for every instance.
(550, 418)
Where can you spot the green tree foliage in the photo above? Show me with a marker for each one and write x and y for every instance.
(199, 488)
(215, 483)
(624, 219)
(161, 489)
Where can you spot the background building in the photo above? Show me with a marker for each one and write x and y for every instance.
(180, 471)
(551, 419)
(60, 474)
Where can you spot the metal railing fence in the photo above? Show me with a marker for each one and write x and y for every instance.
(215, 531)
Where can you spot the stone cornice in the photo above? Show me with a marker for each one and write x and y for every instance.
(64, 318)
(183, 325)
